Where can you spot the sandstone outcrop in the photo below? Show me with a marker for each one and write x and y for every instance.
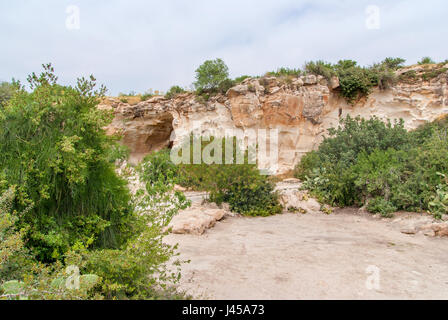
(196, 219)
(302, 109)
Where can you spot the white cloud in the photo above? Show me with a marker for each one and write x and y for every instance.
(137, 45)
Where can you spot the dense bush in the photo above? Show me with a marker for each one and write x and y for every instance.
(54, 149)
(141, 269)
(246, 191)
(439, 204)
(379, 164)
(241, 185)
(21, 276)
(393, 63)
(356, 81)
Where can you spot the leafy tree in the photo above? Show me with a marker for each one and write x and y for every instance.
(211, 74)
(393, 63)
(23, 278)
(54, 150)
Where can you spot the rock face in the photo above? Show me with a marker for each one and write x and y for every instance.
(301, 109)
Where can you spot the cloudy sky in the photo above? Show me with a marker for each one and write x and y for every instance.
(136, 45)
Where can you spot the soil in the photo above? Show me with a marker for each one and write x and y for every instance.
(344, 255)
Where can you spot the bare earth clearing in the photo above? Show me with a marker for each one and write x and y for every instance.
(313, 256)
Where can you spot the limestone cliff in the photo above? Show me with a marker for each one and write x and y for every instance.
(302, 109)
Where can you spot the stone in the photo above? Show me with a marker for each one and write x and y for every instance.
(408, 231)
(310, 79)
(274, 90)
(293, 198)
(297, 82)
(195, 220)
(238, 90)
(439, 229)
(334, 83)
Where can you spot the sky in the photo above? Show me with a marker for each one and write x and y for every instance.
(137, 45)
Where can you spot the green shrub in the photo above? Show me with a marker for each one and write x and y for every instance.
(354, 81)
(140, 270)
(284, 72)
(54, 149)
(146, 96)
(320, 68)
(439, 204)
(426, 60)
(378, 173)
(241, 79)
(431, 74)
(24, 278)
(408, 76)
(225, 85)
(241, 185)
(246, 191)
(381, 206)
(367, 159)
(174, 91)
(393, 63)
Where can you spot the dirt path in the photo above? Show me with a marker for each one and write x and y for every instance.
(312, 256)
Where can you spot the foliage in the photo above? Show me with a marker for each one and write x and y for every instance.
(225, 85)
(54, 149)
(241, 78)
(381, 206)
(246, 191)
(211, 74)
(439, 204)
(426, 60)
(241, 185)
(393, 63)
(282, 72)
(6, 91)
(21, 276)
(145, 96)
(408, 76)
(141, 270)
(367, 161)
(356, 81)
(321, 68)
(430, 74)
(174, 91)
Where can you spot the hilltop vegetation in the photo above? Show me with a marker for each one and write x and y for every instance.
(355, 81)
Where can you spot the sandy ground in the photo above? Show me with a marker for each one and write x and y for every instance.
(313, 256)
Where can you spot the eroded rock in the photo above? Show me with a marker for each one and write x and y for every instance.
(301, 109)
(196, 219)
